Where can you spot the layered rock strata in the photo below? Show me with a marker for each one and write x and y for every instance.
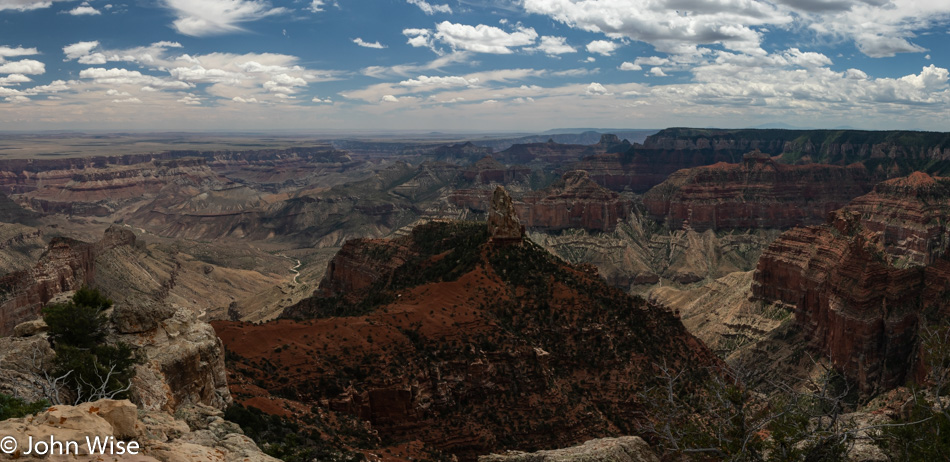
(863, 284)
(757, 193)
(573, 202)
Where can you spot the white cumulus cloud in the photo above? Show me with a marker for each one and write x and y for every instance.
(79, 49)
(628, 66)
(481, 38)
(672, 26)
(10, 52)
(551, 45)
(84, 10)
(602, 47)
(24, 66)
(429, 8)
(597, 89)
(366, 44)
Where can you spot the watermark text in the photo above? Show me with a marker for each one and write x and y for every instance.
(51, 446)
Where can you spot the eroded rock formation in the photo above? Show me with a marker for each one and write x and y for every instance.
(862, 284)
(757, 193)
(503, 223)
(446, 338)
(573, 202)
(66, 265)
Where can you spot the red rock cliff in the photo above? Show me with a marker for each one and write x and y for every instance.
(573, 202)
(66, 265)
(757, 193)
(861, 284)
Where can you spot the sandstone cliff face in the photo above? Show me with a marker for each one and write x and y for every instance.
(757, 193)
(574, 202)
(184, 359)
(639, 169)
(862, 284)
(884, 154)
(66, 265)
(202, 435)
(460, 344)
(487, 170)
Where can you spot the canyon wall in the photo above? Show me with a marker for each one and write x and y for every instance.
(756, 193)
(862, 284)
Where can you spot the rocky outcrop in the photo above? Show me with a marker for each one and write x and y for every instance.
(487, 170)
(20, 247)
(22, 362)
(573, 202)
(183, 362)
(151, 436)
(66, 265)
(467, 346)
(503, 223)
(623, 449)
(757, 193)
(549, 153)
(861, 285)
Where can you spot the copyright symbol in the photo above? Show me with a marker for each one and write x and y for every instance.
(8, 445)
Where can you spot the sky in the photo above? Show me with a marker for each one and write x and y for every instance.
(472, 65)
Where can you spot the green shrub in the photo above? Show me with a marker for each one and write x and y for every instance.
(92, 369)
(79, 322)
(14, 408)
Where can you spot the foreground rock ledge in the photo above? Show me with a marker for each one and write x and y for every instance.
(202, 435)
(623, 449)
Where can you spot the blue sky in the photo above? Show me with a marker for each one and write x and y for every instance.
(472, 65)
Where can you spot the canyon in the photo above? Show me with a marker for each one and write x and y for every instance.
(430, 300)
(862, 285)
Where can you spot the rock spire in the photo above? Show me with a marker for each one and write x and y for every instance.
(503, 223)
